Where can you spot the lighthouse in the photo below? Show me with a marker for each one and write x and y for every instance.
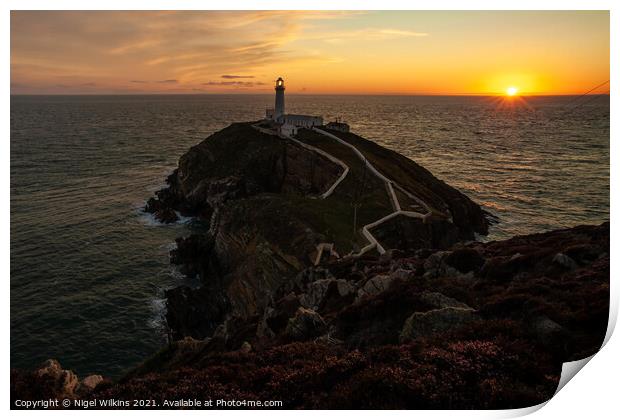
(287, 124)
(279, 111)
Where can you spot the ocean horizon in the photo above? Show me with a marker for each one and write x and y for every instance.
(268, 92)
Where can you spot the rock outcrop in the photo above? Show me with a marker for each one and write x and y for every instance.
(370, 301)
(51, 381)
(436, 321)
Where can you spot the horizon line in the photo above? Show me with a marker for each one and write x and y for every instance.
(527, 94)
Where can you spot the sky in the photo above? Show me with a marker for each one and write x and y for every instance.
(316, 52)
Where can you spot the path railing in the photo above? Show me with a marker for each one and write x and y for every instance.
(390, 185)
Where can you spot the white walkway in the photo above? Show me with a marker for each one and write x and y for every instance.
(390, 185)
(323, 153)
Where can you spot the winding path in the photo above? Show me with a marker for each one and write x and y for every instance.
(323, 153)
(390, 186)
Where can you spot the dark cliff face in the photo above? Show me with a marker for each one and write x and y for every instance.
(261, 195)
(239, 162)
(482, 326)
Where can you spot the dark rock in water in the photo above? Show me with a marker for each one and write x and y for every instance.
(421, 324)
(153, 205)
(164, 204)
(166, 215)
(195, 312)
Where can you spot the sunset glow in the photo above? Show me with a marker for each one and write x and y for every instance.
(512, 91)
(404, 52)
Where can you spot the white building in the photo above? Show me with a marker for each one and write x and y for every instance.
(287, 130)
(305, 121)
(289, 122)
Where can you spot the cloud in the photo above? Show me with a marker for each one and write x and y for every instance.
(132, 47)
(398, 32)
(231, 76)
(234, 83)
(368, 34)
(177, 48)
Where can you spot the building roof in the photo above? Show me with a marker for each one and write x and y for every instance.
(301, 116)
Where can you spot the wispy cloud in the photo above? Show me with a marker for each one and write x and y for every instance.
(153, 45)
(403, 33)
(232, 76)
(233, 83)
(368, 34)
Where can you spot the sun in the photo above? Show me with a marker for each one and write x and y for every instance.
(512, 91)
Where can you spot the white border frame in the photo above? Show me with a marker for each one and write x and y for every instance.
(591, 394)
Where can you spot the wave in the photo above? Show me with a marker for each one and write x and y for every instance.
(157, 321)
(169, 246)
(148, 219)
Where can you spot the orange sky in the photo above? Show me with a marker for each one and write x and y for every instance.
(403, 52)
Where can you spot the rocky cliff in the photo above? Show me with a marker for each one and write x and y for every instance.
(261, 195)
(473, 326)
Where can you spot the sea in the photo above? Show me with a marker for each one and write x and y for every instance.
(89, 267)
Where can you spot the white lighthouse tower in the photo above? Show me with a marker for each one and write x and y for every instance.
(279, 111)
(287, 124)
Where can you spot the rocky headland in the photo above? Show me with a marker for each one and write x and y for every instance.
(296, 305)
(260, 195)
